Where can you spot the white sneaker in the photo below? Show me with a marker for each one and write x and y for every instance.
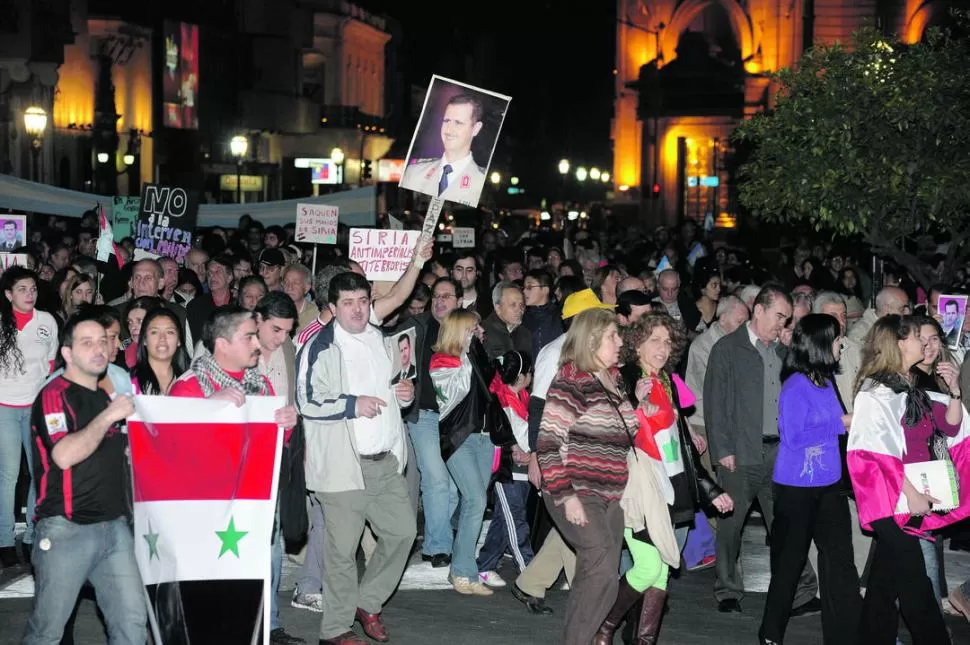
(309, 601)
(491, 579)
(469, 587)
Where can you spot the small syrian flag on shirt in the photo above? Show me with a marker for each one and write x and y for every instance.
(205, 479)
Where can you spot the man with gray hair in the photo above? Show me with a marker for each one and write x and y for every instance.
(748, 294)
(297, 281)
(668, 289)
(504, 330)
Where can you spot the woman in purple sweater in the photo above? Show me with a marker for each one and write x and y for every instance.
(808, 501)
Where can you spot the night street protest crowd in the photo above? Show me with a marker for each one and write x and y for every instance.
(615, 402)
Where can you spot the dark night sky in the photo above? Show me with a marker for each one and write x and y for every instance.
(554, 58)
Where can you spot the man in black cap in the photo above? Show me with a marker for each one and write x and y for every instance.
(271, 263)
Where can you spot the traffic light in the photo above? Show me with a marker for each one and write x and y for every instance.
(656, 191)
(367, 169)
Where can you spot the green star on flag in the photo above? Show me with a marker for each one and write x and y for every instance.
(152, 538)
(671, 448)
(230, 538)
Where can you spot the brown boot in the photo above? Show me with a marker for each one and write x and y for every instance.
(626, 596)
(653, 609)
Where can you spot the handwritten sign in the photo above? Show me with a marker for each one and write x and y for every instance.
(166, 221)
(124, 214)
(463, 238)
(316, 223)
(383, 254)
(8, 260)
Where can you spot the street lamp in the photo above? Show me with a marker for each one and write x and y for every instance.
(103, 157)
(35, 123)
(581, 174)
(496, 178)
(128, 159)
(594, 173)
(564, 167)
(605, 177)
(337, 156)
(514, 181)
(239, 146)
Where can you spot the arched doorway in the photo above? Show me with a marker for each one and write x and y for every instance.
(713, 17)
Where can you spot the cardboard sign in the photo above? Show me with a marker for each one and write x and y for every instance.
(13, 232)
(8, 260)
(166, 221)
(457, 121)
(463, 238)
(383, 254)
(124, 214)
(316, 223)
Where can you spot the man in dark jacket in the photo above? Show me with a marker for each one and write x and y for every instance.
(741, 391)
(503, 328)
(542, 315)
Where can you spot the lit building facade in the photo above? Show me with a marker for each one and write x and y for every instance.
(687, 72)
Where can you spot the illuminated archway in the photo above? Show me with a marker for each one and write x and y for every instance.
(689, 10)
(916, 25)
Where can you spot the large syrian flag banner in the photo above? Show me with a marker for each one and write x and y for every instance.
(204, 488)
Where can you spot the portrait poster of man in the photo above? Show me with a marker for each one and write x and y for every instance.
(401, 348)
(13, 232)
(953, 309)
(453, 144)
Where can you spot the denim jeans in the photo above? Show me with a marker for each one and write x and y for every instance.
(932, 562)
(102, 553)
(471, 468)
(14, 440)
(311, 573)
(439, 495)
(276, 572)
(509, 530)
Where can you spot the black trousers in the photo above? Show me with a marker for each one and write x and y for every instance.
(803, 514)
(898, 572)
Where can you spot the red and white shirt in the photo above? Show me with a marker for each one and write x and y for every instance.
(37, 340)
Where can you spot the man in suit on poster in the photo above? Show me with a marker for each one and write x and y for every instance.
(408, 369)
(454, 176)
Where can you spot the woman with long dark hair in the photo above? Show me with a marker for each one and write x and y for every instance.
(808, 500)
(161, 357)
(28, 345)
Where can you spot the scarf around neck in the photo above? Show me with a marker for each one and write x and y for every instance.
(918, 403)
(212, 377)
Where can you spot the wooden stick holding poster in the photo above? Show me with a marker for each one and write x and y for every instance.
(458, 129)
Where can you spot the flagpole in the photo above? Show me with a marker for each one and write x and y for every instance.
(313, 270)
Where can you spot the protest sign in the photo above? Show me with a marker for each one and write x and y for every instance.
(8, 260)
(166, 221)
(383, 254)
(124, 214)
(400, 348)
(13, 232)
(463, 238)
(316, 223)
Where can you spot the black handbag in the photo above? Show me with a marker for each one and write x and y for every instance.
(496, 422)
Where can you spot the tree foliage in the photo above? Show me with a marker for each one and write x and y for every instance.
(871, 140)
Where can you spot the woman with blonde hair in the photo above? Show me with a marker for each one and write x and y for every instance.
(461, 372)
(585, 434)
(79, 291)
(895, 423)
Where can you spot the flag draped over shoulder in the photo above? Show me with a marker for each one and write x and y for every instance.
(205, 478)
(875, 458)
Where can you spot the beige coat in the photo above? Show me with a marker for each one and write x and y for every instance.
(644, 504)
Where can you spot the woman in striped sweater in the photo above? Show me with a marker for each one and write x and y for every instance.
(586, 431)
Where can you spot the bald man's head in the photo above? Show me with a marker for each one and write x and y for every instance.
(891, 300)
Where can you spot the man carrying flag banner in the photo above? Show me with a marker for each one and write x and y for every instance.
(205, 474)
(205, 491)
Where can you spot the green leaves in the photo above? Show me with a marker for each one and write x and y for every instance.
(868, 140)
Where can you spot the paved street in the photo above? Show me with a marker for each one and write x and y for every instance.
(426, 611)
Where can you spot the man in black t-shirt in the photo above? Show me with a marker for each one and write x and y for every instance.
(82, 532)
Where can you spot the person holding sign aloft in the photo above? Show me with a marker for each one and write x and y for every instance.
(899, 430)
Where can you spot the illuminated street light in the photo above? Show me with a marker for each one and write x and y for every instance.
(129, 159)
(545, 216)
(239, 146)
(337, 156)
(496, 178)
(594, 173)
(35, 123)
(581, 174)
(605, 177)
(514, 181)
(564, 166)
(102, 157)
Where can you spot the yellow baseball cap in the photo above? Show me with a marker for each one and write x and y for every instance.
(581, 301)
